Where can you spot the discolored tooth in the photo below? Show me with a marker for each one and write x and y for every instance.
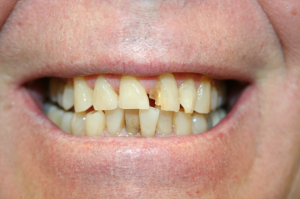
(66, 122)
(55, 116)
(182, 123)
(60, 91)
(68, 96)
(83, 95)
(104, 97)
(202, 104)
(114, 121)
(187, 95)
(164, 123)
(199, 123)
(148, 120)
(132, 95)
(214, 98)
(95, 123)
(132, 121)
(78, 123)
(165, 93)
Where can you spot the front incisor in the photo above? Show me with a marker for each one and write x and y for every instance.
(104, 97)
(164, 123)
(95, 123)
(148, 121)
(165, 93)
(132, 95)
(83, 95)
(187, 95)
(202, 104)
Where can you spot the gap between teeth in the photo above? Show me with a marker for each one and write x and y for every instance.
(104, 112)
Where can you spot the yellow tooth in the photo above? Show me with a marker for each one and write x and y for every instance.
(68, 96)
(187, 95)
(66, 122)
(182, 123)
(202, 104)
(95, 123)
(199, 123)
(55, 114)
(114, 121)
(148, 120)
(105, 97)
(164, 124)
(83, 95)
(53, 86)
(132, 94)
(165, 93)
(60, 91)
(214, 98)
(132, 122)
(78, 123)
(215, 118)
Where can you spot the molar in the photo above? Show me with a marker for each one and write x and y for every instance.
(114, 121)
(148, 120)
(165, 93)
(132, 122)
(83, 95)
(132, 95)
(105, 97)
(203, 99)
(187, 95)
(95, 123)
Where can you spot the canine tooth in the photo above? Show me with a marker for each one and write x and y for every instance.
(105, 97)
(66, 122)
(78, 123)
(68, 96)
(132, 94)
(83, 95)
(182, 123)
(148, 120)
(53, 89)
(165, 93)
(202, 104)
(187, 95)
(214, 98)
(114, 121)
(164, 124)
(60, 91)
(95, 123)
(132, 122)
(199, 123)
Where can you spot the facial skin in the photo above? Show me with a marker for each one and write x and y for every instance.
(253, 153)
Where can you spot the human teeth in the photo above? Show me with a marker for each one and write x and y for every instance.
(83, 95)
(165, 93)
(60, 91)
(132, 122)
(164, 124)
(202, 104)
(199, 123)
(53, 89)
(182, 123)
(55, 114)
(187, 95)
(132, 95)
(68, 96)
(148, 120)
(78, 123)
(114, 121)
(215, 118)
(214, 98)
(105, 97)
(95, 123)
(66, 122)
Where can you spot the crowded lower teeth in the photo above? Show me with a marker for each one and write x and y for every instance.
(182, 107)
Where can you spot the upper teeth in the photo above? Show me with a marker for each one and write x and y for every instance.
(139, 117)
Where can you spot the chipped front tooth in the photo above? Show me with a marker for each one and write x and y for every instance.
(114, 121)
(104, 97)
(66, 122)
(132, 95)
(202, 104)
(95, 123)
(199, 123)
(83, 95)
(68, 96)
(78, 123)
(148, 120)
(132, 121)
(187, 95)
(214, 98)
(165, 93)
(182, 123)
(60, 91)
(164, 123)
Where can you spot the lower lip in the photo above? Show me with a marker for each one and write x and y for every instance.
(204, 160)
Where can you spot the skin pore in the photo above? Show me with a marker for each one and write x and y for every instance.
(253, 153)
